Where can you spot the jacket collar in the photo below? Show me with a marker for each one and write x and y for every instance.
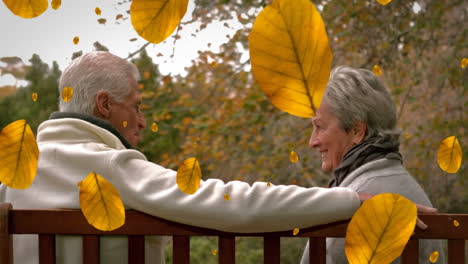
(95, 121)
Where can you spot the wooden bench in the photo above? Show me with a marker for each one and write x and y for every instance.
(138, 224)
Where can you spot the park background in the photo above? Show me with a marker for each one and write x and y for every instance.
(212, 109)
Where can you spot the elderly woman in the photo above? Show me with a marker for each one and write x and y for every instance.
(356, 135)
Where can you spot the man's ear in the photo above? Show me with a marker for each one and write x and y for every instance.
(359, 132)
(102, 106)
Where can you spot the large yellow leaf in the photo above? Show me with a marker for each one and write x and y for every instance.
(27, 8)
(449, 155)
(155, 20)
(290, 55)
(18, 156)
(100, 203)
(188, 176)
(380, 229)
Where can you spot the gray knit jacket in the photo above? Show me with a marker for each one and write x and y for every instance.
(382, 176)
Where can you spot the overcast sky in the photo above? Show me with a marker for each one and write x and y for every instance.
(51, 35)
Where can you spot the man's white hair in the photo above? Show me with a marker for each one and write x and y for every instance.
(93, 72)
(358, 95)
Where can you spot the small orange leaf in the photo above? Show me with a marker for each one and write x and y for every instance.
(214, 252)
(100, 203)
(67, 94)
(464, 62)
(189, 176)
(293, 157)
(434, 257)
(384, 2)
(124, 123)
(449, 155)
(154, 127)
(102, 21)
(456, 223)
(76, 40)
(34, 97)
(377, 70)
(226, 197)
(27, 8)
(18, 156)
(119, 16)
(56, 4)
(146, 75)
(97, 10)
(295, 231)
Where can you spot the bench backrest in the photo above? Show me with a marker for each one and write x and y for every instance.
(137, 225)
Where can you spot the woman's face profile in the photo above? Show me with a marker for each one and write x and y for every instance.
(329, 138)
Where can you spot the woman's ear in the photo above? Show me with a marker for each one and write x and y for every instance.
(359, 132)
(102, 107)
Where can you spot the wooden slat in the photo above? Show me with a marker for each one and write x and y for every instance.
(136, 249)
(410, 254)
(271, 250)
(227, 250)
(181, 250)
(6, 242)
(317, 250)
(46, 249)
(90, 249)
(456, 251)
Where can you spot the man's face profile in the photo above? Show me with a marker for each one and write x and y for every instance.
(126, 115)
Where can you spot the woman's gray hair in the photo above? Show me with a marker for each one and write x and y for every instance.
(94, 72)
(358, 95)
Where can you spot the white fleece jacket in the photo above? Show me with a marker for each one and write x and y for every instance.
(71, 148)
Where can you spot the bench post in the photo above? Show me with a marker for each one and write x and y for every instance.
(6, 241)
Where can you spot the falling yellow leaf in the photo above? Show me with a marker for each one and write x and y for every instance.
(449, 155)
(146, 75)
(155, 20)
(293, 156)
(290, 55)
(213, 64)
(141, 86)
(76, 40)
(464, 62)
(188, 176)
(102, 21)
(97, 10)
(380, 229)
(100, 203)
(124, 123)
(377, 70)
(268, 184)
(120, 16)
(34, 97)
(154, 127)
(67, 94)
(56, 4)
(295, 231)
(27, 8)
(226, 197)
(434, 257)
(384, 2)
(18, 156)
(214, 252)
(456, 223)
(407, 135)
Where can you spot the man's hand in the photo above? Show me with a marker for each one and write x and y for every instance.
(421, 209)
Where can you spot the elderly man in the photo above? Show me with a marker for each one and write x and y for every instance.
(96, 131)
